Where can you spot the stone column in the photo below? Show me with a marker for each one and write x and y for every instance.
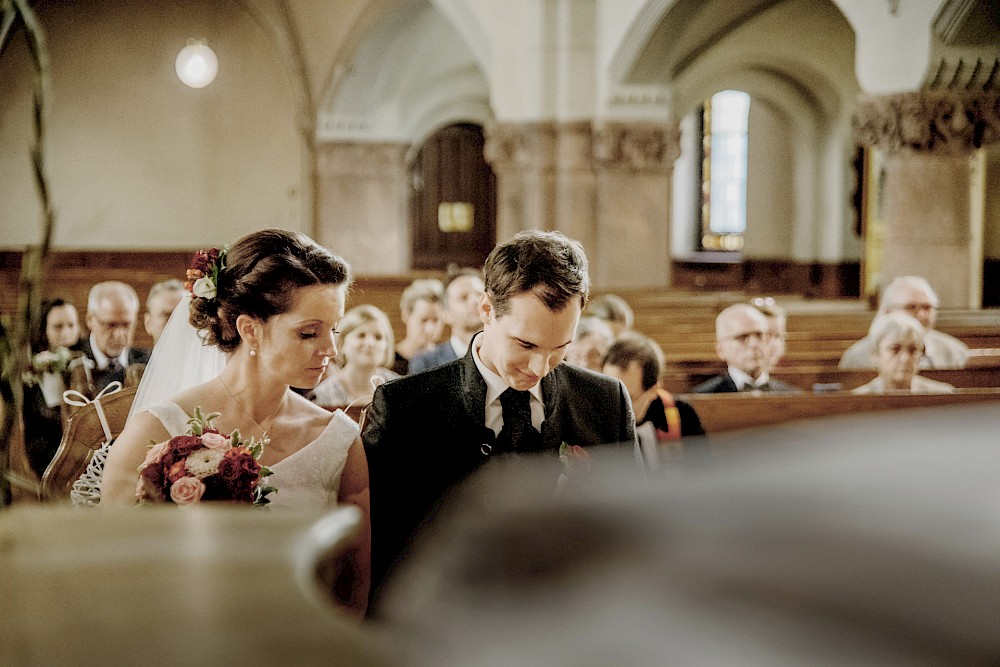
(523, 158)
(927, 138)
(361, 199)
(634, 163)
(545, 178)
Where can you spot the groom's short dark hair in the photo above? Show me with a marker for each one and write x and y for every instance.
(547, 263)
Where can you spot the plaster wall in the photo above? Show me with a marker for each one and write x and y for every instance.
(137, 159)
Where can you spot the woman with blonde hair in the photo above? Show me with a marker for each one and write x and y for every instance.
(366, 349)
(898, 345)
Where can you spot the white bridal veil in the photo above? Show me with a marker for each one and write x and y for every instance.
(180, 359)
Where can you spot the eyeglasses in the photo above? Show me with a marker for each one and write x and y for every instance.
(114, 326)
(915, 307)
(746, 337)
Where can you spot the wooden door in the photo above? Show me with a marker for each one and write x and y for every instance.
(452, 200)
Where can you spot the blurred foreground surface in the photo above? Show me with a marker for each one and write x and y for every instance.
(870, 539)
(864, 540)
(161, 585)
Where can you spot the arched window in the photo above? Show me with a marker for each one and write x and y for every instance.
(724, 171)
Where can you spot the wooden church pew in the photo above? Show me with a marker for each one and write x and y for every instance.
(720, 413)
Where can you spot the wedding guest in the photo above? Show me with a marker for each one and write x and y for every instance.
(614, 310)
(163, 298)
(898, 346)
(590, 343)
(365, 344)
(54, 343)
(422, 310)
(777, 327)
(463, 288)
(267, 323)
(112, 310)
(914, 296)
(60, 326)
(508, 394)
(742, 340)
(637, 361)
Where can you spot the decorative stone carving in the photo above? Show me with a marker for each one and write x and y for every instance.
(520, 145)
(637, 146)
(940, 122)
(539, 145)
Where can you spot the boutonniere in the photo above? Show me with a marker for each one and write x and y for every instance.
(575, 461)
(573, 457)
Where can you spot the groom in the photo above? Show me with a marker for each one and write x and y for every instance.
(424, 433)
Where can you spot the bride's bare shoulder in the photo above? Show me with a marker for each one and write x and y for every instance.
(201, 396)
(307, 413)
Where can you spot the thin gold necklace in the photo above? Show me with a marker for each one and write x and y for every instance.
(265, 438)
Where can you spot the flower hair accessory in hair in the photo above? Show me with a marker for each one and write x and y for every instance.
(203, 276)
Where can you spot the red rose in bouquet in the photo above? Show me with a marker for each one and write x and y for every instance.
(204, 465)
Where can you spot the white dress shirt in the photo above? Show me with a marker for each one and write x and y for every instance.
(495, 385)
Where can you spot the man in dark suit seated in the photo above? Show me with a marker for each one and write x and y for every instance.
(112, 310)
(743, 341)
(463, 289)
(509, 394)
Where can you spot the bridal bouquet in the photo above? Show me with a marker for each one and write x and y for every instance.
(204, 465)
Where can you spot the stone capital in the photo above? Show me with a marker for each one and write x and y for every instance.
(940, 122)
(539, 145)
(638, 146)
(520, 145)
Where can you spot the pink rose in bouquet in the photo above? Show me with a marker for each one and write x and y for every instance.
(204, 465)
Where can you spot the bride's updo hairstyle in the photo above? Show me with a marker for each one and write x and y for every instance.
(257, 277)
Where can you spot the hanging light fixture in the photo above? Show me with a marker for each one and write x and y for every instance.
(196, 64)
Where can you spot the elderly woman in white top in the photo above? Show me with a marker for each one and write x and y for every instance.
(898, 345)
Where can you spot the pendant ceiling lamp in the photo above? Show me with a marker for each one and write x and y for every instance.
(196, 64)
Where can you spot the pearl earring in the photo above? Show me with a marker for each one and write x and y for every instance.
(253, 352)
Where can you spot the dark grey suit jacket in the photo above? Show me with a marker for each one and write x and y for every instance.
(432, 358)
(102, 378)
(425, 433)
(723, 384)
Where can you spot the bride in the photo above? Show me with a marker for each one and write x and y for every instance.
(260, 319)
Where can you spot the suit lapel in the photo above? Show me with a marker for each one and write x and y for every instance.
(552, 426)
(474, 396)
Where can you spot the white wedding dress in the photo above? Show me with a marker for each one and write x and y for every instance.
(308, 478)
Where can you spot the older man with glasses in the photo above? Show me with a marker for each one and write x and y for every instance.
(913, 296)
(743, 341)
(112, 311)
